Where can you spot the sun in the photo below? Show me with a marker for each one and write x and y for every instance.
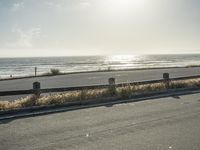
(125, 6)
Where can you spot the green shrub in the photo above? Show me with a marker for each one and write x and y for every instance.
(54, 71)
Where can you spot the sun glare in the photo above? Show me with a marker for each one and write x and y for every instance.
(124, 6)
(122, 58)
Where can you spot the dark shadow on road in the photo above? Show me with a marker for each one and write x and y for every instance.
(109, 105)
(6, 121)
(176, 97)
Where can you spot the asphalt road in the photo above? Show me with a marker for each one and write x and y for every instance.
(171, 123)
(82, 79)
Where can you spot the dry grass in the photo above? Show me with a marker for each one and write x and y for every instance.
(72, 96)
(127, 91)
(20, 103)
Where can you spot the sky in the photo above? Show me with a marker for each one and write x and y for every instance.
(98, 27)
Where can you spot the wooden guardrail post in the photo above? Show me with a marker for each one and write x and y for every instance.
(166, 79)
(112, 87)
(36, 88)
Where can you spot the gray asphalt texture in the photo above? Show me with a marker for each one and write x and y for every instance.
(94, 78)
(157, 124)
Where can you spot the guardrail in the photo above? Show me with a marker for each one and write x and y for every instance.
(111, 84)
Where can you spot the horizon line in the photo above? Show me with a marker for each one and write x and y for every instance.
(99, 55)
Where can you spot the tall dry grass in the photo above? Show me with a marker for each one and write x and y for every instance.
(127, 91)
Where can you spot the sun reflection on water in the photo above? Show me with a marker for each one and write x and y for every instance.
(123, 61)
(123, 58)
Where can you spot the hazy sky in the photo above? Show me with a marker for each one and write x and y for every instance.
(93, 27)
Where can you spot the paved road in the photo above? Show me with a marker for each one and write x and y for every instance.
(94, 78)
(159, 124)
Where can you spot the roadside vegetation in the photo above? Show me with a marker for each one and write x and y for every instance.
(193, 66)
(53, 72)
(125, 92)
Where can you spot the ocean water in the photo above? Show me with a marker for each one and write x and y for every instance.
(25, 66)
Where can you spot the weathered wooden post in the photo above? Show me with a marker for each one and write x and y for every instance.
(35, 71)
(36, 88)
(166, 79)
(112, 87)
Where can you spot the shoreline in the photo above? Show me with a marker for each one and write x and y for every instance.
(95, 71)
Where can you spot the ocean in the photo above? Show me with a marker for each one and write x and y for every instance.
(25, 66)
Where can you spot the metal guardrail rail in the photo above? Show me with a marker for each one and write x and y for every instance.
(36, 86)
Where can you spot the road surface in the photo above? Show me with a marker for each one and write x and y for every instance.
(82, 79)
(171, 123)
